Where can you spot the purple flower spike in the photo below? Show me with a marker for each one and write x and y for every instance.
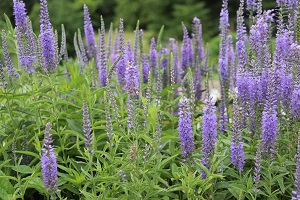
(269, 116)
(145, 68)
(191, 52)
(129, 52)
(49, 162)
(20, 15)
(282, 2)
(198, 83)
(251, 5)
(153, 54)
(89, 33)
(198, 39)
(223, 121)
(164, 63)
(11, 70)
(3, 82)
(121, 65)
(185, 128)
(241, 38)
(132, 80)
(209, 133)
(237, 152)
(286, 91)
(173, 45)
(26, 41)
(296, 102)
(47, 39)
(102, 57)
(257, 169)
(185, 56)
(87, 130)
(132, 87)
(224, 50)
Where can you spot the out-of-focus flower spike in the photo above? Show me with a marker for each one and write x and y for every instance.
(132, 87)
(141, 35)
(82, 52)
(109, 41)
(129, 52)
(164, 63)
(87, 130)
(223, 121)
(198, 39)
(56, 54)
(103, 56)
(223, 52)
(251, 5)
(11, 70)
(115, 51)
(295, 102)
(145, 67)
(89, 33)
(136, 45)
(3, 82)
(63, 46)
(185, 57)
(237, 152)
(258, 167)
(121, 65)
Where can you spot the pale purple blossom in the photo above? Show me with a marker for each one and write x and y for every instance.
(185, 128)
(87, 130)
(47, 38)
(121, 65)
(236, 147)
(11, 70)
(49, 161)
(145, 67)
(89, 33)
(209, 133)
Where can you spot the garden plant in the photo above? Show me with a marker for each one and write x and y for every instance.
(118, 121)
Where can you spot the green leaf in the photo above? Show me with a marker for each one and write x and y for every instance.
(175, 172)
(161, 180)
(235, 192)
(74, 125)
(24, 169)
(222, 185)
(281, 185)
(8, 24)
(250, 183)
(29, 153)
(37, 184)
(5, 186)
(239, 186)
(166, 161)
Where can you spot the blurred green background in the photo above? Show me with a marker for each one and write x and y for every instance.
(152, 14)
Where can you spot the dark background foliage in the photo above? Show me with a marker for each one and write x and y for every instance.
(152, 14)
